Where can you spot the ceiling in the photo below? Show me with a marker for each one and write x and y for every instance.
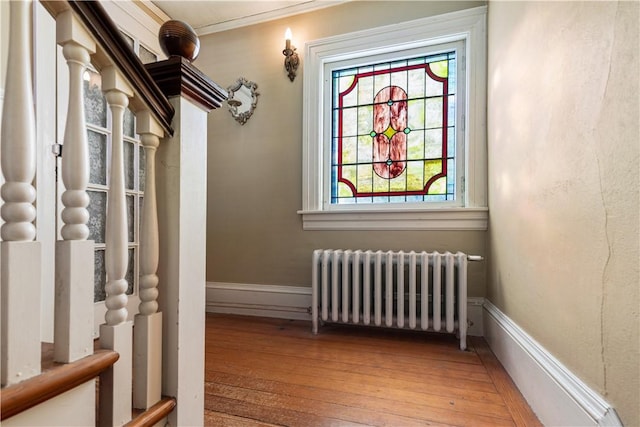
(219, 15)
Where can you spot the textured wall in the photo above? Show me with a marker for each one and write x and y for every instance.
(255, 170)
(564, 181)
(4, 41)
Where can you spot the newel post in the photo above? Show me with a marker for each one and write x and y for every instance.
(182, 204)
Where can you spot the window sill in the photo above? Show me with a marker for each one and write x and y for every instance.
(433, 219)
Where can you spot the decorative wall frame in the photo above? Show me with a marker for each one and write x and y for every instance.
(243, 98)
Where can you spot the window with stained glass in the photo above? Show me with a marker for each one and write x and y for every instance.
(394, 127)
(394, 131)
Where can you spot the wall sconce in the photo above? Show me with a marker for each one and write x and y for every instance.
(291, 60)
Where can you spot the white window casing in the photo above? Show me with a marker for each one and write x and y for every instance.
(470, 212)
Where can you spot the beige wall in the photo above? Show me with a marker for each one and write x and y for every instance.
(254, 233)
(564, 179)
(4, 41)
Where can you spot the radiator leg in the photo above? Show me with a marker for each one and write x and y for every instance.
(314, 290)
(463, 342)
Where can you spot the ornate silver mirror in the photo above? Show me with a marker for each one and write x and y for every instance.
(243, 97)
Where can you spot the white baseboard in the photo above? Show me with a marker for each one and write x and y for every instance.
(285, 302)
(556, 395)
(290, 302)
(474, 316)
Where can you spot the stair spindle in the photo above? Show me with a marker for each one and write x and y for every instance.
(19, 132)
(20, 254)
(147, 362)
(116, 333)
(149, 242)
(73, 326)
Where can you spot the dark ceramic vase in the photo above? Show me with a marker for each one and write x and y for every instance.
(177, 38)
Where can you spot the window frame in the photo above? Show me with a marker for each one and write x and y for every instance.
(459, 90)
(467, 26)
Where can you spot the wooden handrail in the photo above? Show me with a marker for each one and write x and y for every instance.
(157, 412)
(100, 24)
(114, 46)
(29, 393)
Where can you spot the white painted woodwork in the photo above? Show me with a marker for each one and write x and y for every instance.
(115, 382)
(149, 249)
(116, 236)
(467, 29)
(18, 143)
(147, 339)
(100, 310)
(116, 333)
(20, 322)
(147, 360)
(77, 46)
(182, 189)
(45, 49)
(73, 328)
(74, 408)
(556, 395)
(20, 256)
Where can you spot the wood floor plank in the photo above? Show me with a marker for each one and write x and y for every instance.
(345, 353)
(414, 344)
(486, 404)
(271, 415)
(313, 407)
(521, 413)
(269, 372)
(362, 373)
(415, 410)
(219, 419)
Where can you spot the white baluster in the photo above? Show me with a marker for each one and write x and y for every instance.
(75, 159)
(20, 255)
(116, 334)
(73, 327)
(19, 132)
(147, 362)
(116, 238)
(149, 245)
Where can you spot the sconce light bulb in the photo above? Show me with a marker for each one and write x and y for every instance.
(287, 38)
(291, 59)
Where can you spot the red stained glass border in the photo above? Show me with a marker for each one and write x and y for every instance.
(445, 124)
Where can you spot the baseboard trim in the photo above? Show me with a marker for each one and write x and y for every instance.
(285, 302)
(291, 302)
(554, 393)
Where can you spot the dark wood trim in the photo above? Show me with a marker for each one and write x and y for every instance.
(154, 414)
(106, 33)
(177, 76)
(61, 378)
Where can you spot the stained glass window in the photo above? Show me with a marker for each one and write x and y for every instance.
(393, 135)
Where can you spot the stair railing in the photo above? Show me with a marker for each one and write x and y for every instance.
(86, 35)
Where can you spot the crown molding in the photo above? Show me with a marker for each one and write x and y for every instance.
(272, 15)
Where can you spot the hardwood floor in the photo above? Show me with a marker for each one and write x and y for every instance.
(266, 372)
